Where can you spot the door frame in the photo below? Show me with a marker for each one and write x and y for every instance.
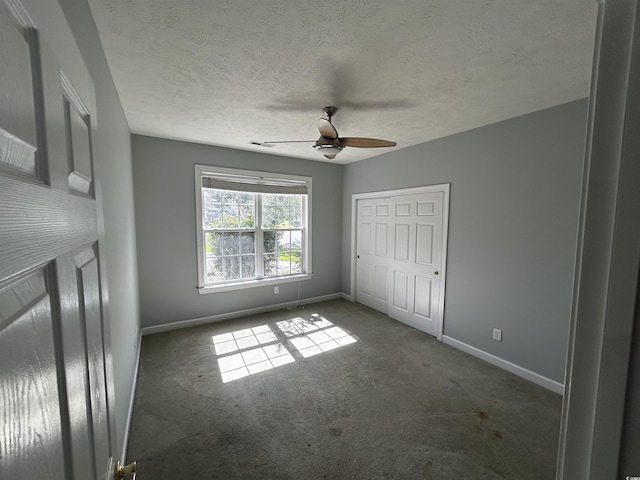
(598, 438)
(445, 188)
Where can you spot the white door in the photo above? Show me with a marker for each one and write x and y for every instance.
(54, 396)
(400, 255)
(373, 252)
(416, 262)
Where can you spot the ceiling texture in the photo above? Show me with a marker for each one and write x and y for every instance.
(232, 72)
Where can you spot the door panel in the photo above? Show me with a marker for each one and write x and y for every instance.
(400, 290)
(53, 388)
(365, 239)
(89, 306)
(18, 138)
(382, 236)
(78, 136)
(423, 289)
(381, 283)
(372, 253)
(29, 394)
(402, 238)
(76, 369)
(424, 244)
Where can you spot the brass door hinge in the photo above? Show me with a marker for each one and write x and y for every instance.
(127, 472)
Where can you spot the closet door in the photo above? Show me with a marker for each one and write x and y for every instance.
(414, 266)
(373, 252)
(400, 255)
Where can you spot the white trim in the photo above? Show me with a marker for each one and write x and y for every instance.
(125, 443)
(167, 327)
(263, 282)
(601, 369)
(445, 188)
(347, 297)
(505, 365)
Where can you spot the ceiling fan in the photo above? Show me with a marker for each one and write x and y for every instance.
(330, 144)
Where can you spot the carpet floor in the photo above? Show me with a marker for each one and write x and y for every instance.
(333, 390)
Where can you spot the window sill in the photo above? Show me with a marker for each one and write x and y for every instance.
(253, 284)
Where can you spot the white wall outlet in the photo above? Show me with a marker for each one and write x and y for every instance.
(276, 289)
(497, 334)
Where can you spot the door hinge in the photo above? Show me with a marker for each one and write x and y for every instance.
(127, 472)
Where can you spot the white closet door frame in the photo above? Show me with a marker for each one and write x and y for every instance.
(445, 188)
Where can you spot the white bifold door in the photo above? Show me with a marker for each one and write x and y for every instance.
(400, 256)
(56, 390)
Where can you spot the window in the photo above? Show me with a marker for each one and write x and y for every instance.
(253, 228)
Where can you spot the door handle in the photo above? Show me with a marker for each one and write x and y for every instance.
(127, 472)
(436, 272)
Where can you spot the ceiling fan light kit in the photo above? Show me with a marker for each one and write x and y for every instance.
(330, 144)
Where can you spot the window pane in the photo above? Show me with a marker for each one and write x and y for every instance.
(231, 244)
(230, 215)
(247, 243)
(214, 243)
(269, 217)
(214, 195)
(284, 267)
(284, 253)
(296, 251)
(296, 267)
(248, 266)
(268, 199)
(246, 197)
(232, 267)
(246, 215)
(226, 209)
(215, 272)
(276, 211)
(270, 265)
(284, 243)
(211, 208)
(296, 211)
(270, 241)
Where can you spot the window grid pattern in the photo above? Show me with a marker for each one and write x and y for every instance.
(241, 227)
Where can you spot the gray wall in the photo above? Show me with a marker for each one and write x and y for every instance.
(515, 188)
(114, 189)
(166, 230)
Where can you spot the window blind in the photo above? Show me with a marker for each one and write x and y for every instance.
(256, 184)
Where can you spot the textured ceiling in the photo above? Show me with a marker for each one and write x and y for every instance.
(229, 72)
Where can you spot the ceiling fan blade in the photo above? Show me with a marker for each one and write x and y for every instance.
(330, 157)
(327, 129)
(361, 142)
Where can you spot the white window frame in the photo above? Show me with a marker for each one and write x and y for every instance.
(205, 170)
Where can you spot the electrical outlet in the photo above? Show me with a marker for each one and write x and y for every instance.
(497, 334)
(276, 289)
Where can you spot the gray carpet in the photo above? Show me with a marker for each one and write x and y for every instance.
(333, 390)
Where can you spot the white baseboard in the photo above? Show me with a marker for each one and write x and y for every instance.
(347, 297)
(125, 444)
(505, 365)
(237, 314)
